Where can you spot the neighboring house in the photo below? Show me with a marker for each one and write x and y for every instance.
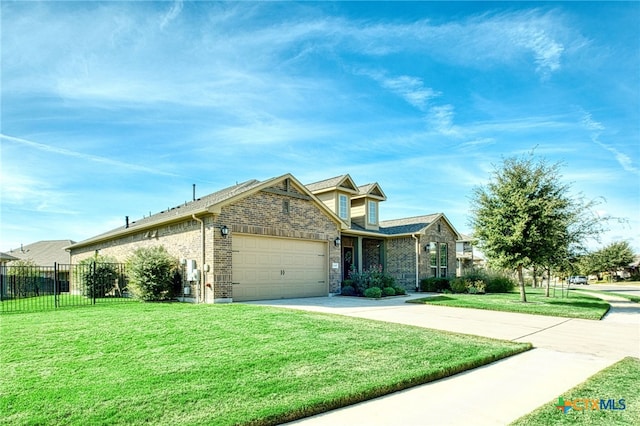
(469, 257)
(4, 258)
(51, 262)
(279, 238)
(44, 253)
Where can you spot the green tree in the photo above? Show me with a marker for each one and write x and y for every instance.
(612, 257)
(23, 277)
(153, 274)
(524, 217)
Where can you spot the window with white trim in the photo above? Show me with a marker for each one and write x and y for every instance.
(433, 259)
(343, 206)
(373, 213)
(444, 255)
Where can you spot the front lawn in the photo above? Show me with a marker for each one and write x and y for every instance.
(173, 363)
(573, 306)
(616, 391)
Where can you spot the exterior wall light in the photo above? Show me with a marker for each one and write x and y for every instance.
(224, 231)
(336, 242)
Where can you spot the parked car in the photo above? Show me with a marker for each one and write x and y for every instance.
(578, 279)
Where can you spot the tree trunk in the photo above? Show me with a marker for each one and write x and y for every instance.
(535, 277)
(546, 292)
(523, 294)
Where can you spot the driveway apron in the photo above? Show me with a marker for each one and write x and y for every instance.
(566, 352)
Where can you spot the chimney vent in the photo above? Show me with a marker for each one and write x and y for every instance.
(126, 221)
(194, 192)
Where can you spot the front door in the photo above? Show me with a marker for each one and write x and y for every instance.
(347, 262)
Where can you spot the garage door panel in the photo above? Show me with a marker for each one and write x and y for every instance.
(272, 268)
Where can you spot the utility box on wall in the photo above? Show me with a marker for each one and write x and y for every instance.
(193, 274)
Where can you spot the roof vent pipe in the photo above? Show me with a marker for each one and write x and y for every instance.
(126, 221)
(194, 192)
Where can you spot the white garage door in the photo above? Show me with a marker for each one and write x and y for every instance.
(276, 268)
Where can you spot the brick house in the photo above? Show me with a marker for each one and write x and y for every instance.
(279, 238)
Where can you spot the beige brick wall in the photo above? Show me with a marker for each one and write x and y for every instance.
(260, 214)
(401, 257)
(401, 261)
(442, 234)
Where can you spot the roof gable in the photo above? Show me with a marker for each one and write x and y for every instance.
(414, 225)
(408, 225)
(371, 190)
(339, 183)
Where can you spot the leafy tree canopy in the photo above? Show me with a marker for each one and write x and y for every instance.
(524, 216)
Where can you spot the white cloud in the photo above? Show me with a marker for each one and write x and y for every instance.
(596, 128)
(84, 156)
(172, 14)
(411, 89)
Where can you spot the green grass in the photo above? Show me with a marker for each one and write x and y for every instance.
(48, 302)
(176, 363)
(619, 381)
(630, 297)
(574, 306)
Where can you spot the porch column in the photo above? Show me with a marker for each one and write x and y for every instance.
(359, 253)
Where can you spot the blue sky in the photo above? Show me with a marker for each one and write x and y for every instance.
(114, 109)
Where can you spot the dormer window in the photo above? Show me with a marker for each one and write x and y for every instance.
(372, 207)
(343, 206)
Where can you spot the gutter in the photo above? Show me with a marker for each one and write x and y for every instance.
(417, 260)
(201, 285)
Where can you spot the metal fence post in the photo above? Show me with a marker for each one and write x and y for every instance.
(55, 284)
(93, 281)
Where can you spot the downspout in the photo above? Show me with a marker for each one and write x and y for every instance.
(202, 237)
(417, 260)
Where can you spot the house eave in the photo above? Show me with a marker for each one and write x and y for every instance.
(133, 229)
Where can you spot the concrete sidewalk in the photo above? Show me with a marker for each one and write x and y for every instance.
(567, 351)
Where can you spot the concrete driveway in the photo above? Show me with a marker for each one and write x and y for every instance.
(567, 351)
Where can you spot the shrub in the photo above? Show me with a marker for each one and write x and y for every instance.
(152, 274)
(348, 290)
(388, 281)
(499, 284)
(435, 284)
(98, 275)
(388, 291)
(373, 292)
(400, 291)
(459, 285)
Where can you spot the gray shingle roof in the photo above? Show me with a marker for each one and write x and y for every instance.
(44, 253)
(324, 184)
(408, 225)
(180, 211)
(6, 257)
(364, 189)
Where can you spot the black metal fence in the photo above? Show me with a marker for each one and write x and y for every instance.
(32, 288)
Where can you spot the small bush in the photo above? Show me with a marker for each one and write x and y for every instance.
(388, 291)
(98, 274)
(400, 291)
(347, 283)
(434, 284)
(459, 285)
(388, 281)
(373, 292)
(348, 290)
(499, 284)
(152, 274)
